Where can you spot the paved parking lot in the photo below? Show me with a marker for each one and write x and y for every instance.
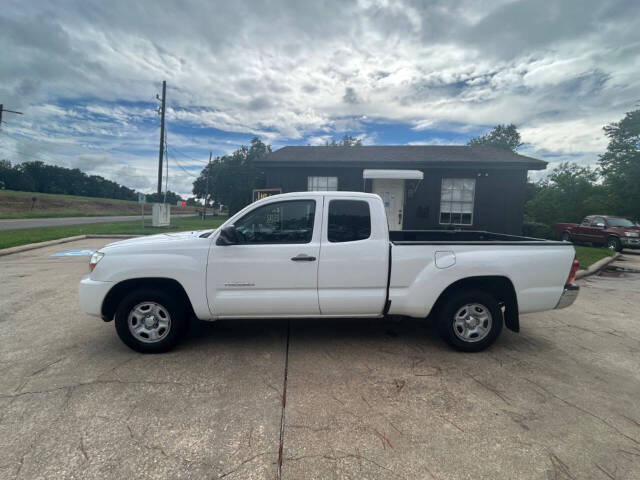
(364, 399)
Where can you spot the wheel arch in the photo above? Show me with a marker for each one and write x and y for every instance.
(121, 289)
(500, 287)
(616, 237)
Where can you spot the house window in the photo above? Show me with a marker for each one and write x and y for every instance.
(456, 201)
(317, 184)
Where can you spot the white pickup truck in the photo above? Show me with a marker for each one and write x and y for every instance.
(325, 254)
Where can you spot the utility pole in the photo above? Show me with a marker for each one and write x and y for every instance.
(206, 196)
(8, 111)
(161, 152)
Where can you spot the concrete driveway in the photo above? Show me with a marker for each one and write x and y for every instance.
(364, 399)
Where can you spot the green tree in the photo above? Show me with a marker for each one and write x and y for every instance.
(171, 198)
(620, 164)
(502, 136)
(44, 178)
(230, 179)
(569, 194)
(347, 141)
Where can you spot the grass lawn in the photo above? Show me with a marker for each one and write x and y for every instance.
(589, 255)
(12, 238)
(14, 204)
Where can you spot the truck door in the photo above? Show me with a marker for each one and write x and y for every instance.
(581, 232)
(272, 270)
(354, 257)
(597, 230)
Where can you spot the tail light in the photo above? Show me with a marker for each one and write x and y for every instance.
(574, 269)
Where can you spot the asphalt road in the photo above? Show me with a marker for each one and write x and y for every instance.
(365, 399)
(22, 223)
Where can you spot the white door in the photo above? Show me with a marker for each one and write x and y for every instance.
(392, 193)
(273, 269)
(354, 258)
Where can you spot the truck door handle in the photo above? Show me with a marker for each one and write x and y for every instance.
(303, 258)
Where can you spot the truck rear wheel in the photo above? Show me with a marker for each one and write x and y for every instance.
(150, 321)
(470, 320)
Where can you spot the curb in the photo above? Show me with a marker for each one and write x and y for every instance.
(48, 243)
(597, 266)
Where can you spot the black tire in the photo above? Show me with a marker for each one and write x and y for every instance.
(178, 321)
(566, 237)
(614, 244)
(454, 304)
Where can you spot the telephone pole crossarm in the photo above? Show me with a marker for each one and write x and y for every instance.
(2, 109)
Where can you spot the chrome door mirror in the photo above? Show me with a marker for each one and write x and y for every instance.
(227, 236)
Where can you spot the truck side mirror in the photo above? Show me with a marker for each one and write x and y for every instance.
(227, 236)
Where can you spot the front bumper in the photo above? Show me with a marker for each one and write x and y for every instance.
(92, 293)
(630, 242)
(568, 296)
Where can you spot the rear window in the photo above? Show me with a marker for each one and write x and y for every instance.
(349, 220)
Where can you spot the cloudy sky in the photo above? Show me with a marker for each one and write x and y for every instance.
(85, 74)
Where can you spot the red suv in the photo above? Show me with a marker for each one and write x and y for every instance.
(614, 232)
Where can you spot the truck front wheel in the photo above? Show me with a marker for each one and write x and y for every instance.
(470, 320)
(613, 243)
(150, 321)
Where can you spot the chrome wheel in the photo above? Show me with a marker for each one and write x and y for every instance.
(149, 322)
(472, 322)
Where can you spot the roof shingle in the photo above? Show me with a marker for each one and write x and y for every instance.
(427, 154)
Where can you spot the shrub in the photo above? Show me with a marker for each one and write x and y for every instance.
(537, 230)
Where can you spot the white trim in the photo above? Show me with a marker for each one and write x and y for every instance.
(393, 174)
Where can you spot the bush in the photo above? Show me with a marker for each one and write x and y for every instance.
(537, 230)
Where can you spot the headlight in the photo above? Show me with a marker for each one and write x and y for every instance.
(630, 234)
(95, 258)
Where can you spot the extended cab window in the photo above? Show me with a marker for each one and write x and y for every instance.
(281, 222)
(349, 220)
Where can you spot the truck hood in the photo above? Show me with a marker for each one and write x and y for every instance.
(622, 230)
(153, 240)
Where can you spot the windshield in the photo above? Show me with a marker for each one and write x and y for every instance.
(620, 222)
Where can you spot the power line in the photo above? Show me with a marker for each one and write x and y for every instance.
(184, 169)
(188, 156)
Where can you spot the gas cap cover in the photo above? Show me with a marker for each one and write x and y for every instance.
(445, 259)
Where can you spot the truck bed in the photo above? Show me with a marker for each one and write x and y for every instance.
(464, 237)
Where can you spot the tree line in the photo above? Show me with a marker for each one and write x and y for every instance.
(44, 178)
